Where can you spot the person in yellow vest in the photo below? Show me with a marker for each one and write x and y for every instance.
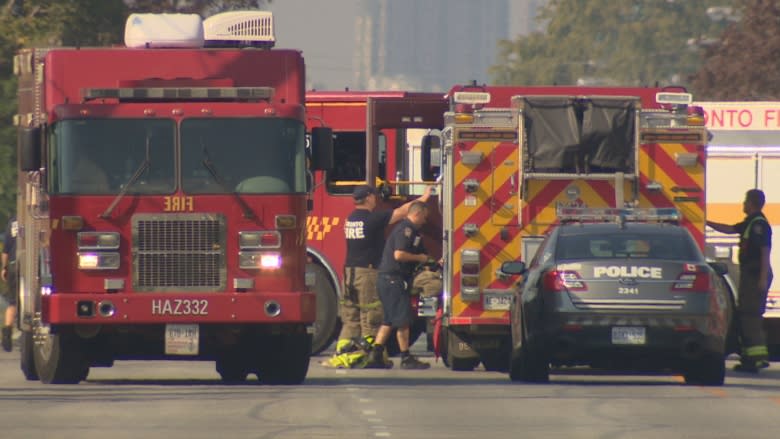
(755, 277)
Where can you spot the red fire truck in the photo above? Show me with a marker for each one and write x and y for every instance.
(162, 201)
(376, 140)
(512, 155)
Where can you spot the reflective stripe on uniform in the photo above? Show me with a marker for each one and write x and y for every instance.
(372, 305)
(756, 351)
(746, 233)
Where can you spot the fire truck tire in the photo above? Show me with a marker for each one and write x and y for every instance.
(287, 359)
(27, 364)
(60, 359)
(232, 368)
(709, 370)
(326, 324)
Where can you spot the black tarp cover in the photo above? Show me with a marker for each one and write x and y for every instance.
(567, 134)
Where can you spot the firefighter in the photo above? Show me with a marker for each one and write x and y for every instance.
(361, 310)
(755, 277)
(9, 277)
(402, 252)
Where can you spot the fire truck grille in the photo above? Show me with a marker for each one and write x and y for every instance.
(179, 252)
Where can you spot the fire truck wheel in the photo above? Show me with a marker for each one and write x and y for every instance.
(59, 359)
(27, 363)
(326, 324)
(231, 368)
(287, 359)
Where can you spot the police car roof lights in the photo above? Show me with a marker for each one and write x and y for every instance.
(620, 216)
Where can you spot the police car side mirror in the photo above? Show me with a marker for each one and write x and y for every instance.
(513, 267)
(720, 268)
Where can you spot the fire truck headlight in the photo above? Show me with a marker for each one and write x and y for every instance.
(98, 261)
(260, 260)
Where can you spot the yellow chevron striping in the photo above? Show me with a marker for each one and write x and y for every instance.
(653, 171)
(317, 227)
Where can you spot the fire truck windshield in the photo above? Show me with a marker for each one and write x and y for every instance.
(252, 156)
(99, 156)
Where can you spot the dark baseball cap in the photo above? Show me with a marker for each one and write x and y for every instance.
(363, 191)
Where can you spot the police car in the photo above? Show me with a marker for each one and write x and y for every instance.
(620, 289)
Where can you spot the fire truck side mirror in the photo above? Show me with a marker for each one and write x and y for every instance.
(30, 149)
(431, 151)
(321, 148)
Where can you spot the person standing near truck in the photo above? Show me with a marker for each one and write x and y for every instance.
(9, 277)
(755, 277)
(361, 309)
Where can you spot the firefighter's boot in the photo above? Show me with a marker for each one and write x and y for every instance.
(7, 341)
(377, 359)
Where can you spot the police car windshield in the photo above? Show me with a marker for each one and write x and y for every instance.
(656, 244)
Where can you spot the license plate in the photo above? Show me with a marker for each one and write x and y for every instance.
(181, 339)
(496, 302)
(628, 335)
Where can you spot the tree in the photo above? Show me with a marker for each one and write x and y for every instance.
(745, 63)
(628, 42)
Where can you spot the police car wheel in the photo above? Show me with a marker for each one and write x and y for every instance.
(709, 370)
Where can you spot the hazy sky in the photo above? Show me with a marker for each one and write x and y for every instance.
(324, 31)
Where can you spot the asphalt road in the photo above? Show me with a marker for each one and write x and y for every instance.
(186, 400)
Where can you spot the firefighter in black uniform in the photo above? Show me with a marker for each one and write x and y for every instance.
(361, 309)
(755, 277)
(402, 253)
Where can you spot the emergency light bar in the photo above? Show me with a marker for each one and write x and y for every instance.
(471, 97)
(578, 214)
(179, 93)
(674, 98)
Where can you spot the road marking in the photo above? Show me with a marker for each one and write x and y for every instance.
(364, 400)
(374, 420)
(369, 412)
(382, 434)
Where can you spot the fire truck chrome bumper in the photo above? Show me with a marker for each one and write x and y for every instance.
(122, 308)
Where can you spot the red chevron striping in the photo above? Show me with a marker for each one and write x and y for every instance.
(542, 199)
(604, 190)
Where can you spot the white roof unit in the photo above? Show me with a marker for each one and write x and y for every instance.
(240, 28)
(164, 31)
